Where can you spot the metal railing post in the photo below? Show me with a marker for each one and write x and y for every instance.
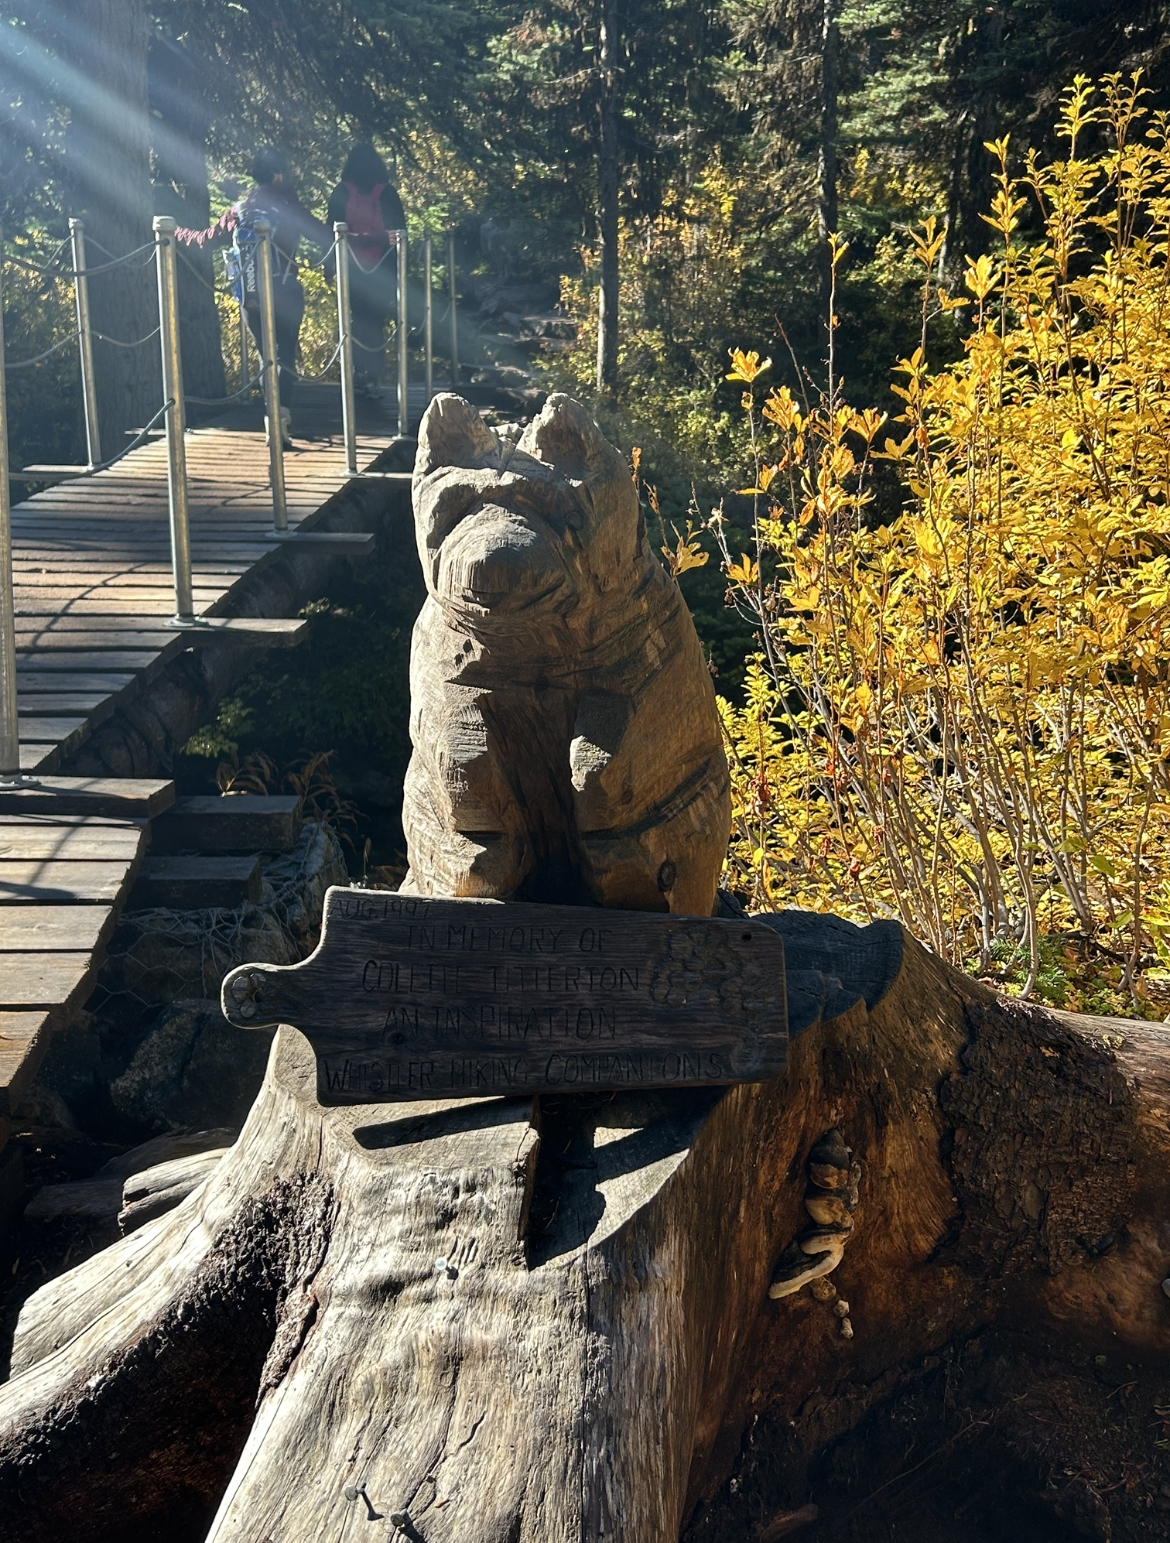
(172, 372)
(403, 340)
(93, 439)
(243, 320)
(270, 366)
(454, 318)
(345, 338)
(428, 312)
(9, 730)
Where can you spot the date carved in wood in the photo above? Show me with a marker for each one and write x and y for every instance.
(566, 743)
(407, 997)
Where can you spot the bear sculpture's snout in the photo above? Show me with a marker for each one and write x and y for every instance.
(499, 560)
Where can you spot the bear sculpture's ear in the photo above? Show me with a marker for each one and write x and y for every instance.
(453, 434)
(565, 436)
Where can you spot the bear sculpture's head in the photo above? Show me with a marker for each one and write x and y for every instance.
(544, 522)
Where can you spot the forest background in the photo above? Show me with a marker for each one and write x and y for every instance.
(712, 146)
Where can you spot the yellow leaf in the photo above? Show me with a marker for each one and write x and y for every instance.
(894, 450)
(767, 473)
(780, 409)
(744, 572)
(686, 553)
(746, 366)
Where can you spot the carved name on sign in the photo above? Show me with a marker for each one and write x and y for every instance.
(406, 997)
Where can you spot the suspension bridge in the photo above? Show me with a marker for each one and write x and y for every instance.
(117, 567)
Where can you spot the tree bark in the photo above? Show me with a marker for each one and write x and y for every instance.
(827, 149)
(508, 1322)
(179, 123)
(978, 63)
(107, 159)
(607, 198)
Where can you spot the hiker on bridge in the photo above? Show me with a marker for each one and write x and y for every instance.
(273, 198)
(369, 204)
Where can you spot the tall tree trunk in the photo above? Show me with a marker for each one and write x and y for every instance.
(107, 157)
(827, 151)
(978, 63)
(179, 123)
(607, 199)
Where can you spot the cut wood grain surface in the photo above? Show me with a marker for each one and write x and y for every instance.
(20, 1035)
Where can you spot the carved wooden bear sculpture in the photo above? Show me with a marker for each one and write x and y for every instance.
(566, 740)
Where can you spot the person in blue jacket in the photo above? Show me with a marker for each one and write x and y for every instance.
(273, 198)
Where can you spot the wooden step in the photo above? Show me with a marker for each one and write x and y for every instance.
(344, 542)
(125, 797)
(69, 661)
(53, 929)
(57, 683)
(23, 1036)
(196, 883)
(264, 631)
(37, 705)
(239, 822)
(66, 732)
(70, 837)
(55, 983)
(25, 881)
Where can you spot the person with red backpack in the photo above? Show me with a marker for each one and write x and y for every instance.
(369, 204)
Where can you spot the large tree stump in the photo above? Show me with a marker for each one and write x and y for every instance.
(532, 1325)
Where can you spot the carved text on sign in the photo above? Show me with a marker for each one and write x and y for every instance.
(410, 997)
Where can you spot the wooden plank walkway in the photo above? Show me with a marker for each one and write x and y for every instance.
(92, 577)
(93, 594)
(63, 881)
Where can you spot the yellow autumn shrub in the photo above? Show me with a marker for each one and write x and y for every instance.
(961, 717)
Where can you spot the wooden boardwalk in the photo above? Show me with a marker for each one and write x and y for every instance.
(92, 574)
(93, 594)
(62, 883)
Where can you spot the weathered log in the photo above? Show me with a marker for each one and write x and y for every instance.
(525, 1324)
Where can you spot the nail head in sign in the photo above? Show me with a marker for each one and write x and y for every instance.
(412, 997)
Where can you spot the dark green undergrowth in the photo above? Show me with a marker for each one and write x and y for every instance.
(344, 690)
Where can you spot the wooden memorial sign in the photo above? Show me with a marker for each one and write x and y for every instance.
(410, 997)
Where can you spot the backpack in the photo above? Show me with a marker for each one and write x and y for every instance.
(241, 261)
(363, 215)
